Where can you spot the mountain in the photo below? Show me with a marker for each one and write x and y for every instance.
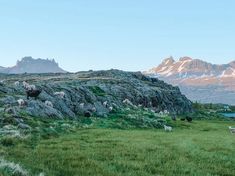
(31, 65)
(199, 80)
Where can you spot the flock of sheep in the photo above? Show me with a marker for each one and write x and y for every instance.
(32, 91)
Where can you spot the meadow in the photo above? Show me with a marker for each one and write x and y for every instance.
(203, 147)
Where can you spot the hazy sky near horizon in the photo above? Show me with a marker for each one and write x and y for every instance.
(124, 34)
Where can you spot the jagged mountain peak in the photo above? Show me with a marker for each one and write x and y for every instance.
(30, 65)
(168, 61)
(188, 67)
(185, 58)
(198, 79)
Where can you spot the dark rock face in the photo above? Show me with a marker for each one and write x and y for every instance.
(96, 92)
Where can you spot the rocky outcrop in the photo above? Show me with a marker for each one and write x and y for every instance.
(92, 93)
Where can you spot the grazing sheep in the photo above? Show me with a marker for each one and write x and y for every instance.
(33, 93)
(128, 102)
(60, 94)
(166, 112)
(189, 119)
(167, 128)
(27, 86)
(21, 102)
(232, 129)
(49, 103)
(17, 83)
(81, 105)
(93, 109)
(105, 103)
(110, 108)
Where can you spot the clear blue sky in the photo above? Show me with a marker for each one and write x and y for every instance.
(123, 34)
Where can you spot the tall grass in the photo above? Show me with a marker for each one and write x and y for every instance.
(198, 148)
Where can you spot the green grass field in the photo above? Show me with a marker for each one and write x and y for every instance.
(198, 148)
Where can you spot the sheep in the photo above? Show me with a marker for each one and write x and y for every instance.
(33, 93)
(27, 86)
(167, 128)
(110, 108)
(17, 83)
(105, 103)
(81, 105)
(189, 119)
(21, 102)
(93, 109)
(128, 102)
(49, 103)
(60, 94)
(232, 129)
(166, 112)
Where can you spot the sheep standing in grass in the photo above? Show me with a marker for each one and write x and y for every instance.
(167, 128)
(93, 109)
(82, 105)
(60, 94)
(110, 108)
(21, 102)
(105, 103)
(49, 103)
(232, 130)
(27, 86)
(33, 93)
(128, 102)
(17, 83)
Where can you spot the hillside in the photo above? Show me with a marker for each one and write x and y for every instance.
(96, 93)
(199, 80)
(31, 65)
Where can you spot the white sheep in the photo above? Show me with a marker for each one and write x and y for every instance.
(105, 103)
(21, 102)
(167, 128)
(49, 103)
(27, 86)
(81, 105)
(17, 83)
(110, 108)
(93, 109)
(166, 112)
(128, 102)
(232, 130)
(60, 94)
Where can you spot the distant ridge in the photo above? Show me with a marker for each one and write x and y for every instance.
(198, 79)
(31, 65)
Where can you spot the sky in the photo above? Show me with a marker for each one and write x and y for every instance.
(132, 35)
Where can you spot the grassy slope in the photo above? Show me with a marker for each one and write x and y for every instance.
(200, 148)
